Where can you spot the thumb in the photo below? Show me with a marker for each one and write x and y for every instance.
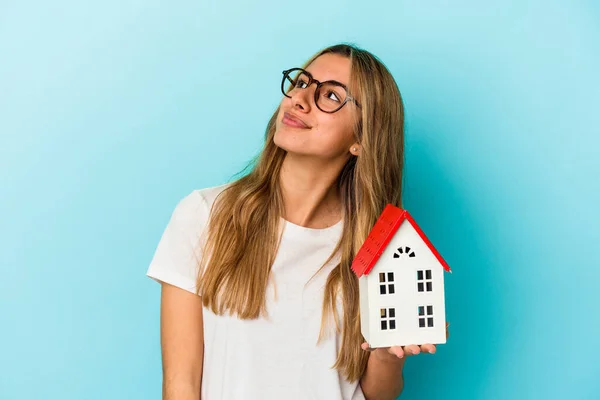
(365, 346)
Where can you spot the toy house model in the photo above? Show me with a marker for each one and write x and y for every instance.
(401, 283)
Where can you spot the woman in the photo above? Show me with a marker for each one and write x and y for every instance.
(258, 299)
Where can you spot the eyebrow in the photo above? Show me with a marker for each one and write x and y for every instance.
(330, 80)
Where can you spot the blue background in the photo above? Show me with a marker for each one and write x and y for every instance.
(111, 111)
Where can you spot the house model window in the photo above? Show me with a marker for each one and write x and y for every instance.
(386, 283)
(424, 282)
(405, 250)
(425, 317)
(388, 318)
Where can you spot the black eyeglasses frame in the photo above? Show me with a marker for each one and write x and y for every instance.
(286, 74)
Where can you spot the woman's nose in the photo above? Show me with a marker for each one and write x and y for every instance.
(302, 98)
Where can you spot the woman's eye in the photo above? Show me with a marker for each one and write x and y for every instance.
(301, 84)
(332, 96)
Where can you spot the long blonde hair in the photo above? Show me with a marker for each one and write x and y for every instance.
(244, 228)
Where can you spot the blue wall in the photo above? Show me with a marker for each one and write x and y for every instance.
(111, 111)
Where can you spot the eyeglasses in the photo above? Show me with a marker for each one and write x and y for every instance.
(330, 96)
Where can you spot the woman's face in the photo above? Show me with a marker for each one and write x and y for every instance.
(324, 135)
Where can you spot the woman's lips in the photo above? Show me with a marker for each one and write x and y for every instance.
(292, 121)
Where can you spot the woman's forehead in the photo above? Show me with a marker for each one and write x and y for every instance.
(330, 67)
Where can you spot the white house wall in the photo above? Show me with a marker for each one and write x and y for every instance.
(364, 306)
(406, 298)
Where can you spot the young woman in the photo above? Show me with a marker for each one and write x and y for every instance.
(258, 300)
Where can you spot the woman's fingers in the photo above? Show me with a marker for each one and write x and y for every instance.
(428, 348)
(398, 351)
(365, 346)
(412, 349)
(401, 351)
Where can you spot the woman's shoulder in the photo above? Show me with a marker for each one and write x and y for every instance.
(192, 212)
(209, 194)
(205, 196)
(199, 200)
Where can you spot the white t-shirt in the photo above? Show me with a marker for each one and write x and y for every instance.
(273, 358)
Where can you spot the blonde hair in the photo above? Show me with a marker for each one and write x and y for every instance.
(244, 228)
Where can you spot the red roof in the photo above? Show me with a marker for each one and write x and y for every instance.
(382, 232)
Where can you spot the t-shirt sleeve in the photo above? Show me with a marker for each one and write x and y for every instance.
(177, 255)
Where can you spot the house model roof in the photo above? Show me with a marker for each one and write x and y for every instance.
(382, 232)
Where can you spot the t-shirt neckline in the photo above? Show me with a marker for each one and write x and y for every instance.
(298, 229)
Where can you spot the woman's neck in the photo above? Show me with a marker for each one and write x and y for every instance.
(310, 193)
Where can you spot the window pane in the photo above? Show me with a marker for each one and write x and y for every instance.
(382, 312)
(391, 288)
(420, 284)
(393, 324)
(429, 310)
(381, 289)
(381, 277)
(421, 310)
(428, 274)
(421, 322)
(383, 325)
(390, 277)
(420, 275)
(429, 288)
(392, 312)
(429, 322)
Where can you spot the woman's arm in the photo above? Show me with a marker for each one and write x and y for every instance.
(383, 379)
(182, 343)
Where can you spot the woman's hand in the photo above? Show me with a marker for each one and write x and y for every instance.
(401, 351)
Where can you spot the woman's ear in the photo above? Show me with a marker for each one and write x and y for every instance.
(355, 149)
